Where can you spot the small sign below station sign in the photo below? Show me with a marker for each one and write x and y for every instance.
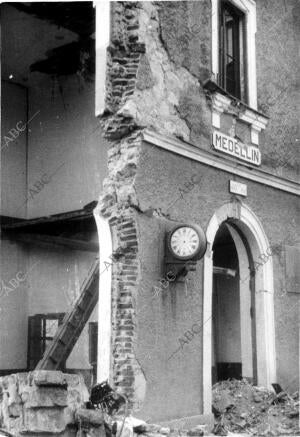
(238, 188)
(233, 147)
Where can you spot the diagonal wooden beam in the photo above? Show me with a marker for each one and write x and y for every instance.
(224, 271)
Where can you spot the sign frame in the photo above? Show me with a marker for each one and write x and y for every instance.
(231, 146)
(239, 188)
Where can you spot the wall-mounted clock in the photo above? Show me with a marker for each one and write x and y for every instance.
(185, 245)
(187, 242)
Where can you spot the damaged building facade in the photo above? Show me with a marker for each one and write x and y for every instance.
(194, 138)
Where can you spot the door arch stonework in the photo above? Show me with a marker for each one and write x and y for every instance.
(252, 230)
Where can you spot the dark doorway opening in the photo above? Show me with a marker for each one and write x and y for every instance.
(226, 325)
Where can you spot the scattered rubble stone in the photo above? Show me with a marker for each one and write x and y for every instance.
(140, 429)
(222, 401)
(242, 408)
(197, 431)
(153, 430)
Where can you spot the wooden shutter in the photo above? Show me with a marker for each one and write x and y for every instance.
(292, 271)
(35, 341)
(93, 343)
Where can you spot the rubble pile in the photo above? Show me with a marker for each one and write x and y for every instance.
(134, 427)
(240, 407)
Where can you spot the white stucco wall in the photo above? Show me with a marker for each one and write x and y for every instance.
(63, 145)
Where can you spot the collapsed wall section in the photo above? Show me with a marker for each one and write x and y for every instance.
(46, 403)
(119, 205)
(159, 57)
(146, 86)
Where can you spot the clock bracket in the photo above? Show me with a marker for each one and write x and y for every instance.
(176, 268)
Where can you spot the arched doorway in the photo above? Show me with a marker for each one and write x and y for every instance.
(233, 309)
(251, 352)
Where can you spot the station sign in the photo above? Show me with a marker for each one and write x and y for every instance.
(231, 146)
(237, 188)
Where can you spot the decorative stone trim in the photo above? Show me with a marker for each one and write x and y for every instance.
(227, 164)
(257, 122)
(220, 104)
(249, 224)
(249, 9)
(225, 104)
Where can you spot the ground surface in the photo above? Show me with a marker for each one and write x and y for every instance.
(242, 408)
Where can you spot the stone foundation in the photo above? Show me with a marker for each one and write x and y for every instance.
(47, 403)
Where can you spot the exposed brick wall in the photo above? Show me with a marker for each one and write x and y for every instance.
(146, 85)
(139, 93)
(125, 275)
(120, 206)
(124, 55)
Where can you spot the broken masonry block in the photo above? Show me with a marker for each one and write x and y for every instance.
(90, 417)
(48, 377)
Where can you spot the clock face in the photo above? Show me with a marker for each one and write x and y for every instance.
(185, 242)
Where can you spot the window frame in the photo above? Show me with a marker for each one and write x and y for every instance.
(41, 319)
(248, 8)
(238, 50)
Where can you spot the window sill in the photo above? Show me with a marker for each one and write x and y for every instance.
(223, 102)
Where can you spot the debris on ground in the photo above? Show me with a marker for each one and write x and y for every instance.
(144, 429)
(240, 407)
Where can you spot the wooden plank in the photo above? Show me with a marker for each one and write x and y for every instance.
(54, 241)
(80, 214)
(224, 271)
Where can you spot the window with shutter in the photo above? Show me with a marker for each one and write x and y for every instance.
(232, 50)
(41, 331)
(35, 342)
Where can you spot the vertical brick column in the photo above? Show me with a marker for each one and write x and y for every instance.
(118, 201)
(124, 55)
(125, 273)
(119, 205)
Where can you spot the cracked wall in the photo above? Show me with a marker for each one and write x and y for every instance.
(278, 84)
(178, 58)
(168, 49)
(159, 58)
(155, 74)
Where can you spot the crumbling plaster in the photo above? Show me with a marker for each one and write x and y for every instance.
(168, 95)
(277, 82)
